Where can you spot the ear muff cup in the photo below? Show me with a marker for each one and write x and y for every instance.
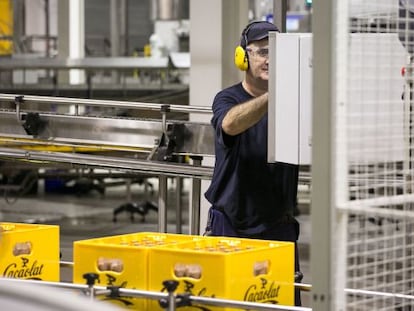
(240, 58)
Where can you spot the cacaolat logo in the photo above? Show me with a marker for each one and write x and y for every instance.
(189, 289)
(24, 270)
(111, 281)
(267, 293)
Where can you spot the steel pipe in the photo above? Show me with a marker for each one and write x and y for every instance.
(104, 103)
(125, 164)
(100, 290)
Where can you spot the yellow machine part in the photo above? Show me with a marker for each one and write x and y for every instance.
(6, 27)
(39, 145)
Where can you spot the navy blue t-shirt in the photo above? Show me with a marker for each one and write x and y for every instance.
(253, 193)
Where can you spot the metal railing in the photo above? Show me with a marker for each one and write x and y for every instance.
(168, 299)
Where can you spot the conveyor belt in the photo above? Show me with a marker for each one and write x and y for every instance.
(123, 164)
(99, 128)
(88, 134)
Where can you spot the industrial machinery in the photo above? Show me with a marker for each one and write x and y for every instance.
(71, 136)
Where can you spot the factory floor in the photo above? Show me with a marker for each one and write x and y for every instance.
(90, 215)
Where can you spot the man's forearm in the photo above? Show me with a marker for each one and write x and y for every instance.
(245, 115)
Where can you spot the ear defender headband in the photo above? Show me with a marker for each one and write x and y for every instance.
(241, 59)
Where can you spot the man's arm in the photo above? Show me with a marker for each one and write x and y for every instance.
(245, 115)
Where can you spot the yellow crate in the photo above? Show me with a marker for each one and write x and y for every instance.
(230, 268)
(29, 251)
(120, 260)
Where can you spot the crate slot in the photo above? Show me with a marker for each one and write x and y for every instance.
(110, 264)
(193, 271)
(22, 248)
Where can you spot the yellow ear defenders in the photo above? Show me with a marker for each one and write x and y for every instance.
(241, 59)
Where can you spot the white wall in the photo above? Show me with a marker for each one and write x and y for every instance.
(205, 71)
(214, 33)
(35, 21)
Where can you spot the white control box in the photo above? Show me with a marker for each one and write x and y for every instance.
(290, 98)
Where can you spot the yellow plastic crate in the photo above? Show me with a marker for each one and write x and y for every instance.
(120, 260)
(230, 268)
(29, 251)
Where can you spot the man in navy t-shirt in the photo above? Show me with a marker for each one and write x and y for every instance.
(250, 197)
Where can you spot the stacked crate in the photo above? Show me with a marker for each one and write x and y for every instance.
(29, 251)
(229, 268)
(120, 260)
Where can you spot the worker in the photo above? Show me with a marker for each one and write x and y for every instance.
(250, 198)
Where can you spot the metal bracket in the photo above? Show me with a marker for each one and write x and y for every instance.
(18, 100)
(31, 122)
(173, 137)
(164, 110)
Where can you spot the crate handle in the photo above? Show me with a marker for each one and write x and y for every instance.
(22, 248)
(193, 271)
(261, 267)
(110, 264)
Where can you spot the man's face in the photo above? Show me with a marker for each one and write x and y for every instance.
(258, 52)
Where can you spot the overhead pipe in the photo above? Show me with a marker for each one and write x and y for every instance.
(106, 103)
(124, 164)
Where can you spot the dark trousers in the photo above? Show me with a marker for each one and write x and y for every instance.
(219, 225)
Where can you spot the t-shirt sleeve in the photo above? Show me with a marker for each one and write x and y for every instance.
(221, 105)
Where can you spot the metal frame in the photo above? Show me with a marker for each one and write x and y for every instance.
(322, 164)
(87, 63)
(119, 66)
(328, 222)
